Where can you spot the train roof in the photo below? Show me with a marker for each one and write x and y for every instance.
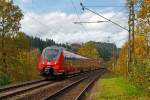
(52, 47)
(72, 55)
(67, 54)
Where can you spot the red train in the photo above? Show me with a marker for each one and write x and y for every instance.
(56, 60)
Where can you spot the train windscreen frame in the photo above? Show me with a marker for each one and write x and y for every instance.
(50, 54)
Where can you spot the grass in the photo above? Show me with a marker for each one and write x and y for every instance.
(114, 87)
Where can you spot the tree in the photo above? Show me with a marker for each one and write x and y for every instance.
(10, 16)
(106, 50)
(140, 53)
(144, 10)
(22, 41)
(143, 20)
(89, 50)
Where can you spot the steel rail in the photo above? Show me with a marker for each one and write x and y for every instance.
(63, 89)
(79, 97)
(13, 86)
(5, 88)
(18, 91)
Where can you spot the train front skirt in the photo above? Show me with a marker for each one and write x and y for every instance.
(47, 72)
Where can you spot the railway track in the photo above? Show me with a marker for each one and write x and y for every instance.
(9, 87)
(18, 89)
(77, 89)
(41, 89)
(11, 91)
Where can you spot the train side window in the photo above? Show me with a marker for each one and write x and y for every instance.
(66, 58)
(73, 58)
(70, 58)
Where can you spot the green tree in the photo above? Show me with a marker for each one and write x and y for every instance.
(106, 50)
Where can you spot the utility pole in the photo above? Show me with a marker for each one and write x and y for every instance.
(131, 47)
(147, 4)
(115, 55)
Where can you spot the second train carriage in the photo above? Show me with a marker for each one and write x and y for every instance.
(56, 60)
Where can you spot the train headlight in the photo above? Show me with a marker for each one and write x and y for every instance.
(42, 62)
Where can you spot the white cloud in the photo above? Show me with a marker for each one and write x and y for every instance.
(59, 27)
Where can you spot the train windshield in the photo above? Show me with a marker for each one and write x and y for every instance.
(50, 54)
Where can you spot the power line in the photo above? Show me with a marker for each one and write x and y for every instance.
(96, 6)
(116, 6)
(99, 21)
(36, 20)
(41, 23)
(112, 17)
(77, 14)
(89, 22)
(83, 8)
(33, 18)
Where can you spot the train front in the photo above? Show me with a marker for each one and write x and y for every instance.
(49, 61)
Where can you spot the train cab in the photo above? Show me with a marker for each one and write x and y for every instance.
(50, 61)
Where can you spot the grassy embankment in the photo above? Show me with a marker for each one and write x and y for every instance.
(114, 87)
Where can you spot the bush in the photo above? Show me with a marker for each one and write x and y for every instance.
(4, 79)
(140, 74)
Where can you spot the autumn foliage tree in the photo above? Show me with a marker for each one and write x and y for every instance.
(17, 60)
(139, 71)
(89, 50)
(140, 53)
(10, 16)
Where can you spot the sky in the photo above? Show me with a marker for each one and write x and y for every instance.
(54, 19)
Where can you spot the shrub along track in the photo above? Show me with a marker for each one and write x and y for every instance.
(45, 89)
